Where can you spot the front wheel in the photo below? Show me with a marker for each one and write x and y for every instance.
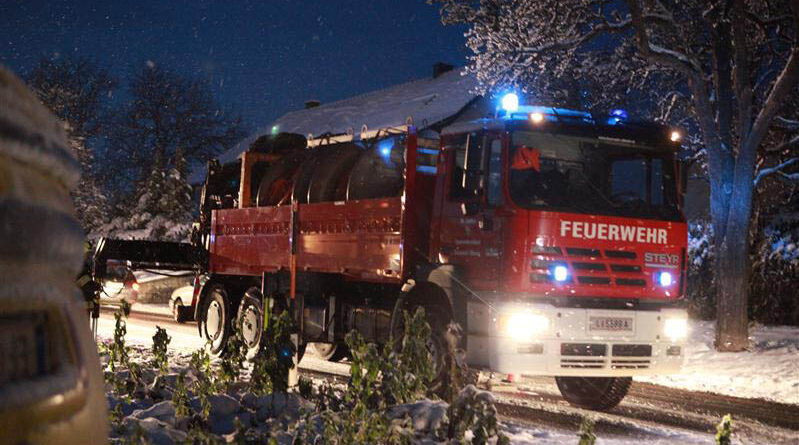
(332, 352)
(215, 325)
(595, 393)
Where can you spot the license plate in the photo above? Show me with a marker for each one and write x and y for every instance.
(22, 351)
(621, 324)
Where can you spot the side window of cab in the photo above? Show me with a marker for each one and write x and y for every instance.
(466, 167)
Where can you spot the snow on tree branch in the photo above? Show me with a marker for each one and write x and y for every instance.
(778, 169)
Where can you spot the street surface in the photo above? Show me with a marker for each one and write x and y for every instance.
(649, 412)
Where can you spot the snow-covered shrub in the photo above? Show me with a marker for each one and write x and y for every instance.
(160, 344)
(473, 411)
(724, 431)
(775, 272)
(586, 433)
(274, 358)
(700, 290)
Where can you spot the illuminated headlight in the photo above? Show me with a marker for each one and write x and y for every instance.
(523, 326)
(560, 273)
(675, 328)
(665, 279)
(675, 136)
(536, 117)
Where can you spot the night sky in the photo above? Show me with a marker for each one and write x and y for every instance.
(263, 59)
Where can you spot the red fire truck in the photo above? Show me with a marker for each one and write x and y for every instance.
(554, 238)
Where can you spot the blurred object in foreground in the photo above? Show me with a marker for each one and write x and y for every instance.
(51, 386)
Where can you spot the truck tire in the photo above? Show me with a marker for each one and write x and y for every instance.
(215, 326)
(438, 346)
(595, 393)
(332, 352)
(250, 321)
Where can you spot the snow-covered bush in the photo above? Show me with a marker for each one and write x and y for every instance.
(775, 272)
(700, 290)
(774, 256)
(197, 400)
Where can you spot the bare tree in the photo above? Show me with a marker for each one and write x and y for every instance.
(730, 64)
(78, 92)
(170, 123)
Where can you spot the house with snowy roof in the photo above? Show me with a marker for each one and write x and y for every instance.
(429, 104)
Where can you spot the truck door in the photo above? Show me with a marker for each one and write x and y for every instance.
(470, 233)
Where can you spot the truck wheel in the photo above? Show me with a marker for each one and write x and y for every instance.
(437, 345)
(250, 321)
(332, 352)
(216, 327)
(595, 393)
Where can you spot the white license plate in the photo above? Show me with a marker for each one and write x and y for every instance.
(22, 355)
(618, 324)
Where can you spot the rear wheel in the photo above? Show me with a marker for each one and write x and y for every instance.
(215, 325)
(595, 393)
(332, 352)
(250, 321)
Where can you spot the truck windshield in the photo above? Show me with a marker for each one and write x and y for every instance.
(583, 175)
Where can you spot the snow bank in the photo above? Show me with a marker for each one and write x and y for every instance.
(767, 371)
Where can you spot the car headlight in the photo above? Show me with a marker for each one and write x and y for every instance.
(524, 326)
(675, 328)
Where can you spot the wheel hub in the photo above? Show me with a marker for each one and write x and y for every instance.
(249, 327)
(213, 320)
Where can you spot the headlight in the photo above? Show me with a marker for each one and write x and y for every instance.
(524, 326)
(560, 273)
(675, 328)
(665, 279)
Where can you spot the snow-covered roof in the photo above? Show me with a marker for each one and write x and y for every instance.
(425, 101)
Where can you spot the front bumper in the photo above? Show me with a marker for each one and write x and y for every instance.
(571, 346)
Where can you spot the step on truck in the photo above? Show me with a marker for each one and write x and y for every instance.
(554, 238)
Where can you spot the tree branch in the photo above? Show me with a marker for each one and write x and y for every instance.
(782, 87)
(655, 53)
(777, 169)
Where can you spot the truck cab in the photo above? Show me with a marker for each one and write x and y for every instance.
(566, 236)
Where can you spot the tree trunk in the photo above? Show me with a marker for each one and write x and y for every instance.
(732, 270)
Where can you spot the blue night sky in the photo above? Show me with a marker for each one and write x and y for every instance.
(262, 59)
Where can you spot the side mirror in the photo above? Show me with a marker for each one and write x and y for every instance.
(470, 208)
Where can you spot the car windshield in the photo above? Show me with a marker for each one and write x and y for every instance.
(583, 175)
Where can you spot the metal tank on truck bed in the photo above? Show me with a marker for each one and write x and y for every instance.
(554, 238)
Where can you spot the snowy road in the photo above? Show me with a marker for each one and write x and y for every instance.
(653, 413)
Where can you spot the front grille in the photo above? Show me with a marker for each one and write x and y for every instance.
(632, 350)
(547, 250)
(542, 264)
(588, 266)
(578, 251)
(624, 268)
(593, 280)
(584, 349)
(620, 254)
(585, 363)
(630, 282)
(629, 364)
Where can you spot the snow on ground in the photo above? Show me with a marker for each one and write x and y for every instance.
(529, 435)
(769, 370)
